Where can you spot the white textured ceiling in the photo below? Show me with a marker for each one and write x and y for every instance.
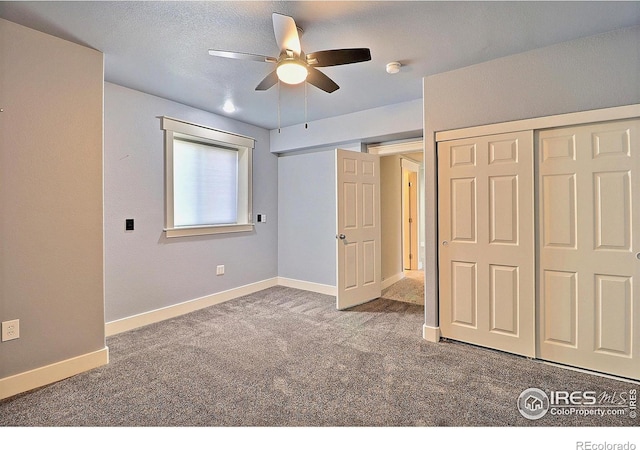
(161, 47)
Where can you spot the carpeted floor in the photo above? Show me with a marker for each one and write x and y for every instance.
(286, 357)
(410, 289)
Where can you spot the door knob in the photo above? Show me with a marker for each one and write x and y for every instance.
(638, 255)
(341, 236)
(445, 243)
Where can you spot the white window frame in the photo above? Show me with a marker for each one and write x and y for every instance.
(175, 128)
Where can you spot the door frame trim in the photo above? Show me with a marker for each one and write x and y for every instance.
(539, 123)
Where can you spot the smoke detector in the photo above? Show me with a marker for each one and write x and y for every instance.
(393, 67)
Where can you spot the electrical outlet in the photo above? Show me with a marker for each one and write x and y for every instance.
(220, 270)
(10, 330)
(128, 225)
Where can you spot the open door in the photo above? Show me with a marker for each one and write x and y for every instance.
(357, 228)
(410, 219)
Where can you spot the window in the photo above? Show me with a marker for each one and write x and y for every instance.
(207, 180)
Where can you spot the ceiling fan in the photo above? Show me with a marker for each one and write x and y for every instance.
(293, 66)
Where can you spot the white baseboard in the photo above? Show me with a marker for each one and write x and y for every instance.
(169, 312)
(307, 286)
(431, 334)
(392, 280)
(32, 379)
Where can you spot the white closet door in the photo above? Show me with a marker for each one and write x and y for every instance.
(486, 253)
(589, 294)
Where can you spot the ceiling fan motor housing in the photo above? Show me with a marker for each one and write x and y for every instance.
(293, 66)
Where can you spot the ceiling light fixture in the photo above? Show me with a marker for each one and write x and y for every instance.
(393, 67)
(291, 71)
(229, 107)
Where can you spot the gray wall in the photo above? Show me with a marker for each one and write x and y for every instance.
(143, 269)
(391, 215)
(51, 234)
(387, 123)
(590, 73)
(306, 248)
(307, 217)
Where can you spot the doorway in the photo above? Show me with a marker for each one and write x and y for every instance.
(410, 217)
(402, 229)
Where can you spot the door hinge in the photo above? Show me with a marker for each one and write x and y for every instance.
(410, 256)
(410, 220)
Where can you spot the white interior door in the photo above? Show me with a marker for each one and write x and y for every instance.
(589, 293)
(358, 228)
(486, 253)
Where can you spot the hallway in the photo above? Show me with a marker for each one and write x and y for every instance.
(409, 290)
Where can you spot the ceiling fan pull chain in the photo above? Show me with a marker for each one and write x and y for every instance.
(278, 106)
(306, 122)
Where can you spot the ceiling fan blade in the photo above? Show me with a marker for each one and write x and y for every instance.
(268, 81)
(326, 58)
(245, 56)
(286, 33)
(321, 81)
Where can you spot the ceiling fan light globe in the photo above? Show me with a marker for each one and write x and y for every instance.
(292, 72)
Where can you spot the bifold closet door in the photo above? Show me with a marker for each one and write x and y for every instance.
(486, 233)
(589, 216)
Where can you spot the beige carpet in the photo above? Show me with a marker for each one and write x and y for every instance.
(409, 290)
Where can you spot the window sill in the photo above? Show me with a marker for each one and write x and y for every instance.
(204, 230)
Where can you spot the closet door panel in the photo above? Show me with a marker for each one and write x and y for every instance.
(589, 215)
(487, 277)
